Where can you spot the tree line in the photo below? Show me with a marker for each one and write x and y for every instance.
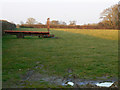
(109, 20)
(32, 21)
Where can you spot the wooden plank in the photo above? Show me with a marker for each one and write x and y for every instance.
(12, 31)
(21, 34)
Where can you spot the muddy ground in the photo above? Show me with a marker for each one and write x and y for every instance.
(32, 76)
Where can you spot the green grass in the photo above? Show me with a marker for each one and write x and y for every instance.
(101, 33)
(87, 56)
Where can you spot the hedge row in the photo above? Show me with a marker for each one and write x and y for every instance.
(98, 26)
(7, 25)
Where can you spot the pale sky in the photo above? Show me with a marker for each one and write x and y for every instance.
(82, 11)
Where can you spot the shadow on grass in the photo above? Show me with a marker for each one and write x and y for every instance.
(27, 37)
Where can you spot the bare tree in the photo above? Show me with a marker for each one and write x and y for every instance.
(39, 23)
(31, 21)
(21, 22)
(62, 23)
(54, 22)
(110, 16)
(72, 23)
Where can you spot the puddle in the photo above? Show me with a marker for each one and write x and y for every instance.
(91, 84)
(68, 83)
(105, 84)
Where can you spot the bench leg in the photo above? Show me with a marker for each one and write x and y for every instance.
(20, 35)
(39, 36)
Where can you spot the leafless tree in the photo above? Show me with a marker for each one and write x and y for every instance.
(110, 16)
(31, 21)
(72, 23)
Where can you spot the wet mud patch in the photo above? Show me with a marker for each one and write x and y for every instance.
(75, 83)
(32, 76)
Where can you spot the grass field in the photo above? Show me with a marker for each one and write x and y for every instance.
(89, 54)
(101, 33)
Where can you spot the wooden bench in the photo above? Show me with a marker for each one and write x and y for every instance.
(21, 34)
